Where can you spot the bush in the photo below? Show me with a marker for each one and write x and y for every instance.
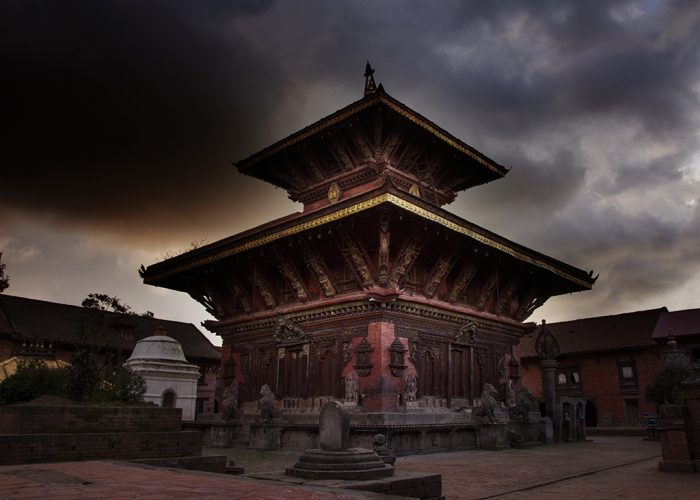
(33, 379)
(120, 384)
(665, 387)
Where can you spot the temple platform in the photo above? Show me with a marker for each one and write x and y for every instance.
(406, 433)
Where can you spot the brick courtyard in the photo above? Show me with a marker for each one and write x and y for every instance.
(608, 467)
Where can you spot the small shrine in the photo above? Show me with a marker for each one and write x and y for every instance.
(373, 294)
(171, 381)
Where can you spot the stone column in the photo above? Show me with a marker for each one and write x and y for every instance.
(549, 386)
(547, 348)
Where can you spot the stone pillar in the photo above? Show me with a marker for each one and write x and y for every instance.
(548, 368)
(380, 390)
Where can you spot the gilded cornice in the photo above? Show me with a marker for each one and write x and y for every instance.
(362, 206)
(353, 109)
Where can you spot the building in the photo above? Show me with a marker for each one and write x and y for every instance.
(171, 381)
(35, 325)
(684, 326)
(608, 360)
(374, 293)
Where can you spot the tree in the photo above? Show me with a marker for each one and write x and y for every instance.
(84, 375)
(665, 387)
(4, 279)
(105, 302)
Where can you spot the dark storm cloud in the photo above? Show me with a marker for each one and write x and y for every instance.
(123, 116)
(122, 113)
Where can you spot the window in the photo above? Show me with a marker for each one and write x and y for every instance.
(568, 379)
(628, 376)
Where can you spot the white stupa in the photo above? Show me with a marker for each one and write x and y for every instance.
(171, 381)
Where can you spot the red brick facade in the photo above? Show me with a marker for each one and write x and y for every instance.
(610, 361)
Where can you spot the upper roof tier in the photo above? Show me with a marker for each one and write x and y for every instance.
(352, 149)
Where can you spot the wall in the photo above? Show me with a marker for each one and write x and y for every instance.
(600, 381)
(21, 419)
(30, 434)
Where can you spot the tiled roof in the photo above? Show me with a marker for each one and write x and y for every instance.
(602, 333)
(60, 323)
(678, 324)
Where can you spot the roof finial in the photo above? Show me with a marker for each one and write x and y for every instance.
(370, 86)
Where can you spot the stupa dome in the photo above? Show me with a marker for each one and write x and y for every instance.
(158, 347)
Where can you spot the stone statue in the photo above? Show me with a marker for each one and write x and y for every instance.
(351, 387)
(580, 422)
(524, 402)
(410, 386)
(229, 403)
(484, 411)
(266, 403)
(380, 448)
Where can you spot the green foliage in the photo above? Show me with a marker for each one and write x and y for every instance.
(85, 379)
(83, 374)
(4, 279)
(120, 384)
(665, 387)
(33, 379)
(104, 302)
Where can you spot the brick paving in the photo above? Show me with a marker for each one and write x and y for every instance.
(607, 467)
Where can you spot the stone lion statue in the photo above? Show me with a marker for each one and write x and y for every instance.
(484, 412)
(266, 403)
(524, 403)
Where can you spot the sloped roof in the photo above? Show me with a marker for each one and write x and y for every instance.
(678, 323)
(602, 333)
(60, 323)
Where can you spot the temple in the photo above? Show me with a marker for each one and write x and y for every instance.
(373, 294)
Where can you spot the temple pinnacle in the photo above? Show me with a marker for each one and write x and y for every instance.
(370, 86)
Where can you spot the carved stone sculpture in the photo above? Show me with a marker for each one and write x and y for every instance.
(524, 402)
(351, 388)
(410, 386)
(229, 403)
(266, 403)
(484, 412)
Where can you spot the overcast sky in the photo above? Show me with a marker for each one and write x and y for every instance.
(121, 118)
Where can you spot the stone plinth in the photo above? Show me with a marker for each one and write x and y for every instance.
(334, 460)
(352, 464)
(675, 449)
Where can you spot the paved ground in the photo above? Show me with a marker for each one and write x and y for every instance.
(607, 467)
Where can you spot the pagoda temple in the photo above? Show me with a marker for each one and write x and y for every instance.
(373, 294)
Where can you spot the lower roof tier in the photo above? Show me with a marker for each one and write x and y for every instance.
(382, 245)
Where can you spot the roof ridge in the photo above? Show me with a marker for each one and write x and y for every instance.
(118, 314)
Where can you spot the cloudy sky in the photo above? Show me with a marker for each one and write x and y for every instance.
(121, 118)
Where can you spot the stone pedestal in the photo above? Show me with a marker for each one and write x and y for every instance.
(675, 449)
(494, 437)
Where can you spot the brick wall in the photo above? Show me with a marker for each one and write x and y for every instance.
(600, 381)
(20, 419)
(33, 448)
